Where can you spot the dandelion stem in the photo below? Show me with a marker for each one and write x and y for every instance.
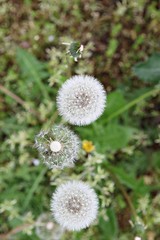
(52, 120)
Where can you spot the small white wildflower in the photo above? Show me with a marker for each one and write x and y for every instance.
(137, 238)
(74, 205)
(81, 100)
(35, 162)
(50, 38)
(58, 146)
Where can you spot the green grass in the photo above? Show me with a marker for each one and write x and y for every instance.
(121, 47)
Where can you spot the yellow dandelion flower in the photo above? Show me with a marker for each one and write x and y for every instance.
(88, 146)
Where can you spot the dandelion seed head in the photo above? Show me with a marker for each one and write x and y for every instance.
(35, 162)
(46, 228)
(58, 146)
(81, 100)
(74, 205)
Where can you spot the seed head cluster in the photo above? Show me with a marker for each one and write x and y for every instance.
(74, 205)
(81, 100)
(58, 146)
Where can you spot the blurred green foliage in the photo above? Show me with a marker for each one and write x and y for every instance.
(121, 48)
(149, 70)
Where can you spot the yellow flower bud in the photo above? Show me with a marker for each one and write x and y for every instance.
(88, 146)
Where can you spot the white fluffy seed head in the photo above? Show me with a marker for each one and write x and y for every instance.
(74, 205)
(81, 100)
(58, 146)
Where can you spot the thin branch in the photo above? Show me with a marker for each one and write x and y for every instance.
(125, 194)
(14, 231)
(19, 100)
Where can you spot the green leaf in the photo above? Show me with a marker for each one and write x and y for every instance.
(75, 49)
(149, 70)
(116, 29)
(117, 136)
(109, 229)
(113, 44)
(156, 160)
(33, 188)
(33, 71)
(127, 106)
(115, 101)
(128, 180)
(108, 137)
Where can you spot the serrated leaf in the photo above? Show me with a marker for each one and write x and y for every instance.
(149, 70)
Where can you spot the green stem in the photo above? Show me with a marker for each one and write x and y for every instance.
(52, 120)
(33, 188)
(132, 103)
